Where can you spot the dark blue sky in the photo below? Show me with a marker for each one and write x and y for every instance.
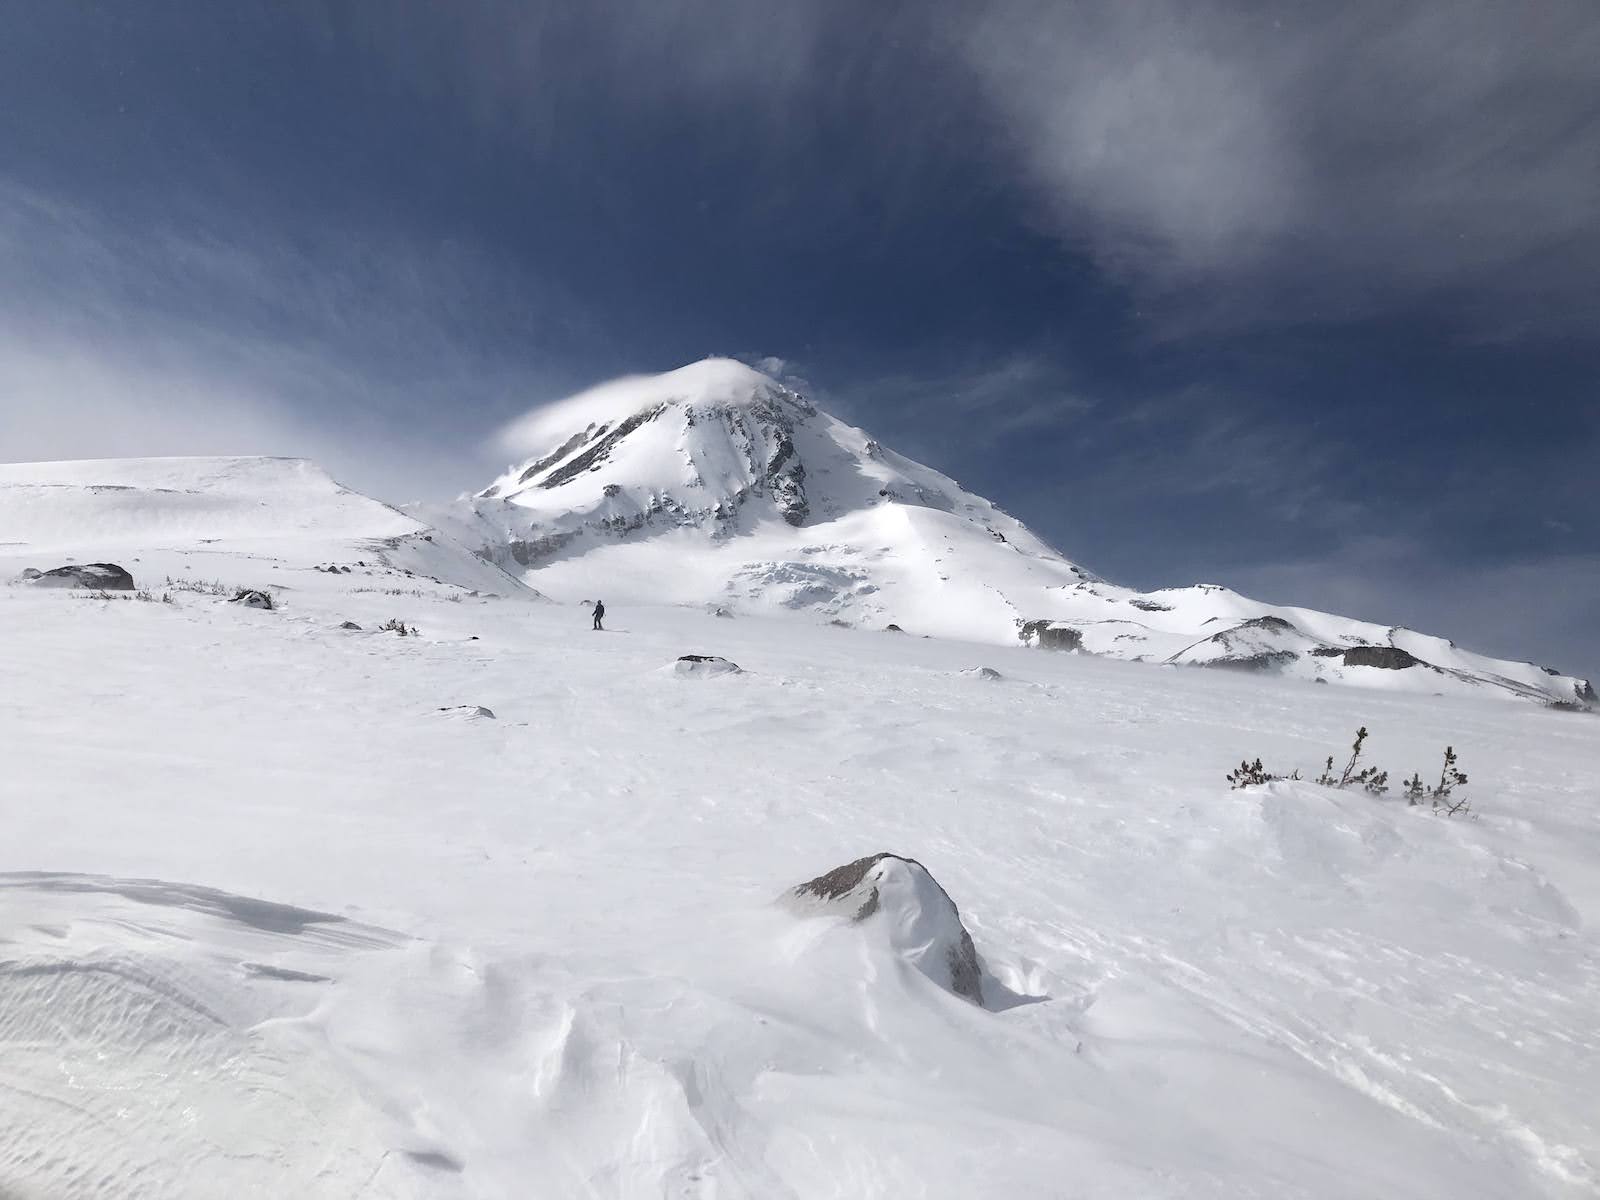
(1300, 298)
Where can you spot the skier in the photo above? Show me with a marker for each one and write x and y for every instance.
(599, 611)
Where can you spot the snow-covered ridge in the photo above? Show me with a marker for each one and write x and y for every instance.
(171, 515)
(130, 500)
(715, 484)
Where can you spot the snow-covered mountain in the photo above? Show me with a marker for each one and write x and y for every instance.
(717, 485)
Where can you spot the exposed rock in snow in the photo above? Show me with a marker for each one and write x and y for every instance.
(922, 922)
(1049, 635)
(252, 598)
(349, 625)
(1389, 658)
(104, 577)
(987, 674)
(703, 666)
(468, 712)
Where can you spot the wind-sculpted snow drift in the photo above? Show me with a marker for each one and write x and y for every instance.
(715, 484)
(921, 923)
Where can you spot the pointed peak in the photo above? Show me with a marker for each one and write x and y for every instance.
(709, 383)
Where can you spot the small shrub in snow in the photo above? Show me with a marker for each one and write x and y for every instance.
(1369, 778)
(1250, 774)
(396, 625)
(1443, 793)
(206, 587)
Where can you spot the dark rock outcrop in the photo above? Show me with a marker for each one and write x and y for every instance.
(786, 478)
(349, 625)
(1048, 635)
(100, 577)
(596, 454)
(1388, 658)
(1276, 624)
(941, 947)
(1266, 660)
(252, 598)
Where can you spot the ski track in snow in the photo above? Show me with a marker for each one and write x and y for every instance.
(272, 924)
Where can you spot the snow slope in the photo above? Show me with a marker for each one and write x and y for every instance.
(275, 920)
(183, 518)
(715, 485)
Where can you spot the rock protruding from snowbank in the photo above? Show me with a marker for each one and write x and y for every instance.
(104, 577)
(468, 712)
(1388, 658)
(251, 598)
(1051, 635)
(922, 922)
(703, 666)
(986, 674)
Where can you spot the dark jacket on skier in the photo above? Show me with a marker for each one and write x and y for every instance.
(599, 611)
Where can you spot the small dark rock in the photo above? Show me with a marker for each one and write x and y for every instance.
(892, 628)
(349, 625)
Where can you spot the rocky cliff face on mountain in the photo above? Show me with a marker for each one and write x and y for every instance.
(718, 485)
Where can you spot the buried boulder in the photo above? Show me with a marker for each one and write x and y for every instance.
(467, 712)
(703, 666)
(100, 577)
(987, 674)
(251, 598)
(922, 923)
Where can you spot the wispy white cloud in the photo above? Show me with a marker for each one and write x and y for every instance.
(1250, 162)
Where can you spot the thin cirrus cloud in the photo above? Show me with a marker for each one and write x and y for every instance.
(1348, 158)
(1231, 164)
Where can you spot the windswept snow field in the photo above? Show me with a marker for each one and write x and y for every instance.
(282, 914)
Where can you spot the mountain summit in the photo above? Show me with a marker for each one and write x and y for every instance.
(717, 485)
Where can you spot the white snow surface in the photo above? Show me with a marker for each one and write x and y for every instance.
(282, 913)
(181, 517)
(717, 485)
